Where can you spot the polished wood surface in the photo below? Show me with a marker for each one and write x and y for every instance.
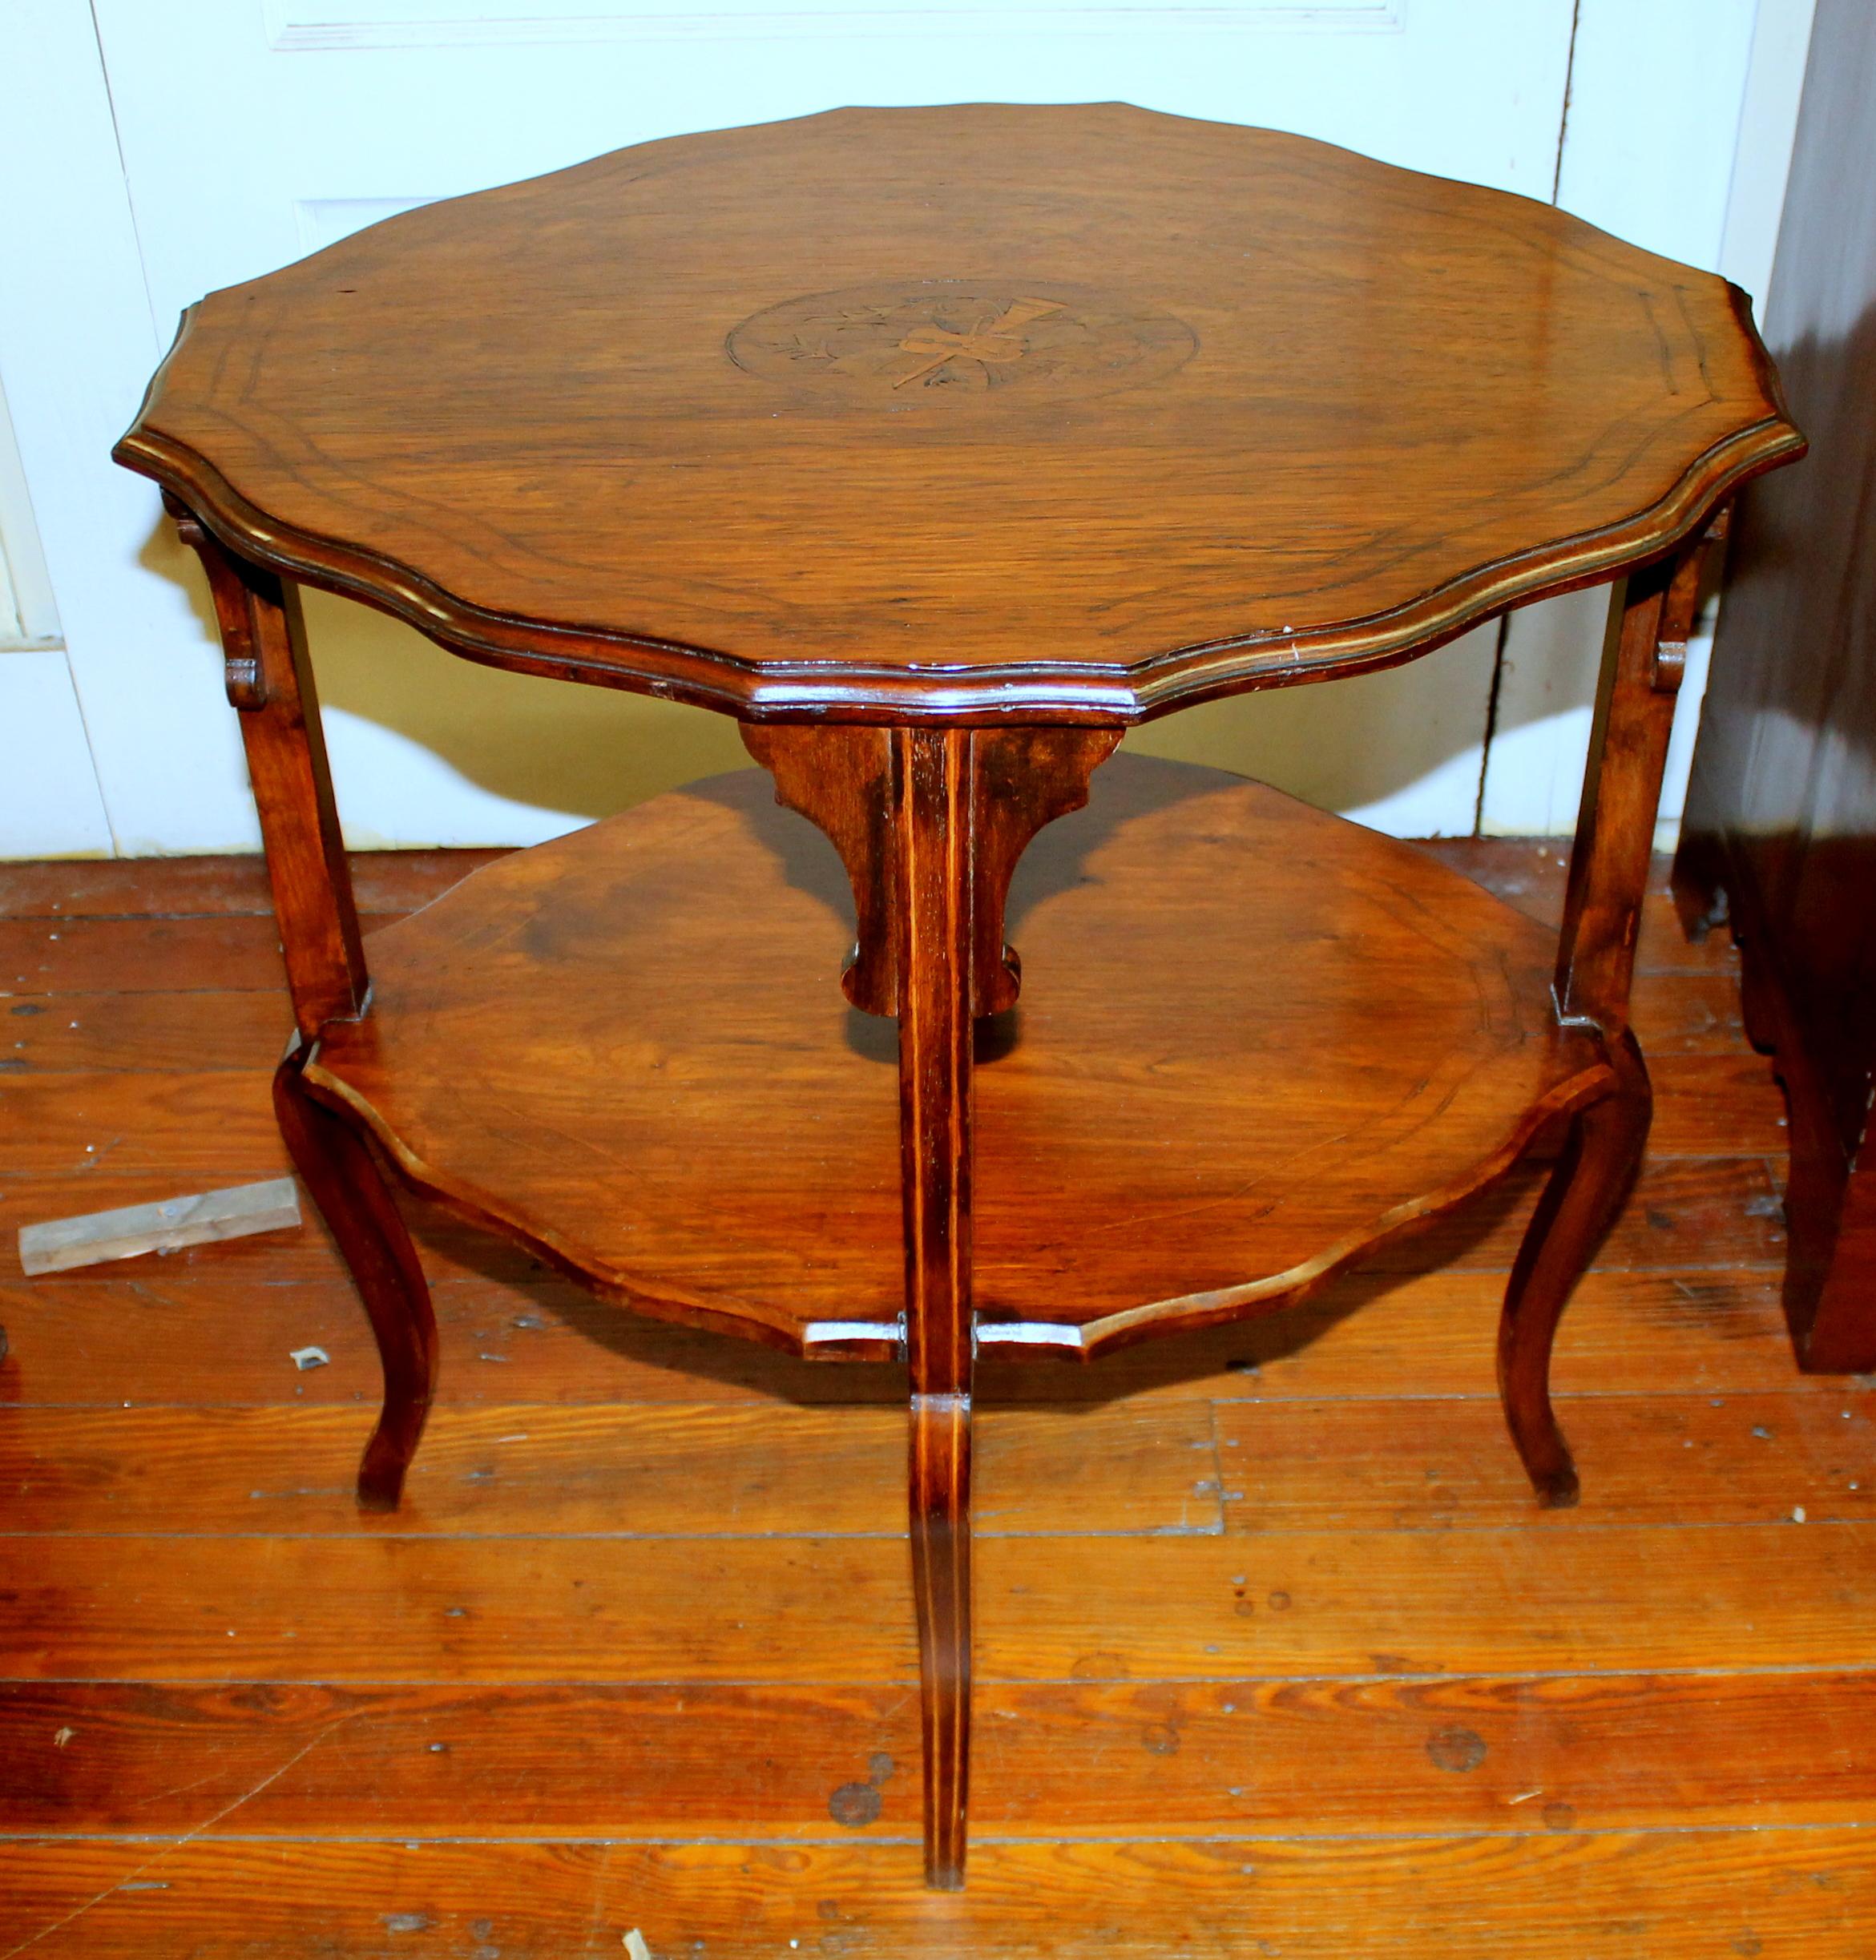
(1601, 1155)
(268, 676)
(1643, 661)
(337, 1166)
(840, 779)
(1781, 826)
(1638, 1728)
(1335, 414)
(936, 884)
(979, 410)
(1643, 657)
(1237, 1010)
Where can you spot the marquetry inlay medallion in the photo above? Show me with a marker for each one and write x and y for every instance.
(1002, 339)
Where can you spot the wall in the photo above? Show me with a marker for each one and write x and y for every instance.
(1678, 137)
(50, 801)
(203, 146)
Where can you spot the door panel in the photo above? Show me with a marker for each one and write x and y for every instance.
(1649, 153)
(251, 133)
(49, 802)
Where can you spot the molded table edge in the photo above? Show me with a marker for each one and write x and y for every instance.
(1120, 694)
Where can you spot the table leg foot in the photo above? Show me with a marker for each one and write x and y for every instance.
(1579, 1203)
(337, 1166)
(941, 1572)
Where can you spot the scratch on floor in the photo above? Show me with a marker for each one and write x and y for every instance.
(162, 1797)
(157, 1857)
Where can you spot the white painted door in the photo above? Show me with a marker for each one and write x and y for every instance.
(250, 132)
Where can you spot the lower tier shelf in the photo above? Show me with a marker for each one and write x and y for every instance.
(1253, 1041)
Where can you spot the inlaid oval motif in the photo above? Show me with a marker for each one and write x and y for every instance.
(1004, 339)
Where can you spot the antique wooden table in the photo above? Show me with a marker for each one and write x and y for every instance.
(939, 446)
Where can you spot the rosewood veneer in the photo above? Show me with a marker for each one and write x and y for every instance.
(939, 446)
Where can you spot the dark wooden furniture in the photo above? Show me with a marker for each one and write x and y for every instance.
(1781, 825)
(938, 473)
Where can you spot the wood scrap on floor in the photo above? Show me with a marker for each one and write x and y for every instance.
(235, 1213)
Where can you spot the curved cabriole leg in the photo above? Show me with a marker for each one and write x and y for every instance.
(269, 680)
(337, 1168)
(933, 838)
(1578, 1206)
(1643, 657)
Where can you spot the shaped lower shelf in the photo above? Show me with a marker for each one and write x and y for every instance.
(1253, 1041)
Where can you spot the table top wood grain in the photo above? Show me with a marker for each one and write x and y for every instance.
(1055, 412)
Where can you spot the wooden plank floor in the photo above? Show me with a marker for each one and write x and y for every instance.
(1277, 1655)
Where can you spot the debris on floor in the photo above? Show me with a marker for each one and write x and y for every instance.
(61, 1244)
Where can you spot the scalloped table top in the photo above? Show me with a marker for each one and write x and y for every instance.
(1075, 412)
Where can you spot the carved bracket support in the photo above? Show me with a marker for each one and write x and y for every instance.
(840, 778)
(242, 673)
(1643, 660)
(1681, 608)
(269, 678)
